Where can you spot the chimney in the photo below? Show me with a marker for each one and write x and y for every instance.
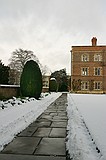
(94, 41)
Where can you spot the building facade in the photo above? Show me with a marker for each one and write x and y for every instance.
(88, 68)
(45, 80)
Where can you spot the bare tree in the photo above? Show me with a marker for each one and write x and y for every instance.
(17, 61)
(20, 57)
(45, 70)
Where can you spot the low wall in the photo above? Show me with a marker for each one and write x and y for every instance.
(89, 92)
(9, 91)
(45, 89)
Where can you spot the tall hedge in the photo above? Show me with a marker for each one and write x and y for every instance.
(53, 85)
(31, 80)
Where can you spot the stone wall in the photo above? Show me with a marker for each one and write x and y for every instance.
(45, 89)
(9, 91)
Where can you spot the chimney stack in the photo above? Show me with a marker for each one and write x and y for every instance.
(94, 41)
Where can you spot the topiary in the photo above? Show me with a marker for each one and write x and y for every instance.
(31, 80)
(52, 85)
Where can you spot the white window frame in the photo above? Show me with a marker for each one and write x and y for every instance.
(97, 71)
(97, 57)
(85, 57)
(97, 85)
(85, 85)
(85, 71)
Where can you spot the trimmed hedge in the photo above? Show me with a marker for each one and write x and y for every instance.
(53, 85)
(31, 80)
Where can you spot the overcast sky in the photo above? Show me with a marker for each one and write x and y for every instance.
(50, 27)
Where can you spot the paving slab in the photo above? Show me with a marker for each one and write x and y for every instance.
(58, 124)
(42, 132)
(49, 117)
(51, 110)
(62, 114)
(27, 132)
(28, 157)
(58, 132)
(53, 114)
(41, 123)
(59, 118)
(22, 145)
(51, 146)
(61, 109)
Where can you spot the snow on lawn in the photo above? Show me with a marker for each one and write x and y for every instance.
(87, 126)
(14, 119)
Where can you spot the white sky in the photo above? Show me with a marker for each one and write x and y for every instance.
(50, 27)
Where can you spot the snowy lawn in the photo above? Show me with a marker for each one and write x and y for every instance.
(87, 126)
(16, 115)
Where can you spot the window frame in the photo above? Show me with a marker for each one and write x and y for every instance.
(97, 71)
(97, 57)
(85, 71)
(85, 85)
(97, 85)
(85, 57)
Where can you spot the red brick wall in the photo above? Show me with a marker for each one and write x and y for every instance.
(76, 63)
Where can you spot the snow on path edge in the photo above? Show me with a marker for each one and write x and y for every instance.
(16, 119)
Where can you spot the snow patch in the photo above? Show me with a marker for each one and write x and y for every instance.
(80, 144)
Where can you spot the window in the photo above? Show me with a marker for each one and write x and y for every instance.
(97, 57)
(97, 85)
(85, 57)
(85, 85)
(97, 71)
(45, 84)
(84, 71)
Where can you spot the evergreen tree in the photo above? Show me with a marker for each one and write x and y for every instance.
(31, 80)
(62, 79)
(4, 73)
(53, 85)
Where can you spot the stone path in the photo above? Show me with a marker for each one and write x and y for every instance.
(44, 139)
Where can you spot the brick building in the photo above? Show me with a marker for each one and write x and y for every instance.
(88, 68)
(45, 79)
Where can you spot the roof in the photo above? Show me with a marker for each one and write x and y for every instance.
(89, 48)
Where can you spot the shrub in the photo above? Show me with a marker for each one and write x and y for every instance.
(53, 85)
(31, 80)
